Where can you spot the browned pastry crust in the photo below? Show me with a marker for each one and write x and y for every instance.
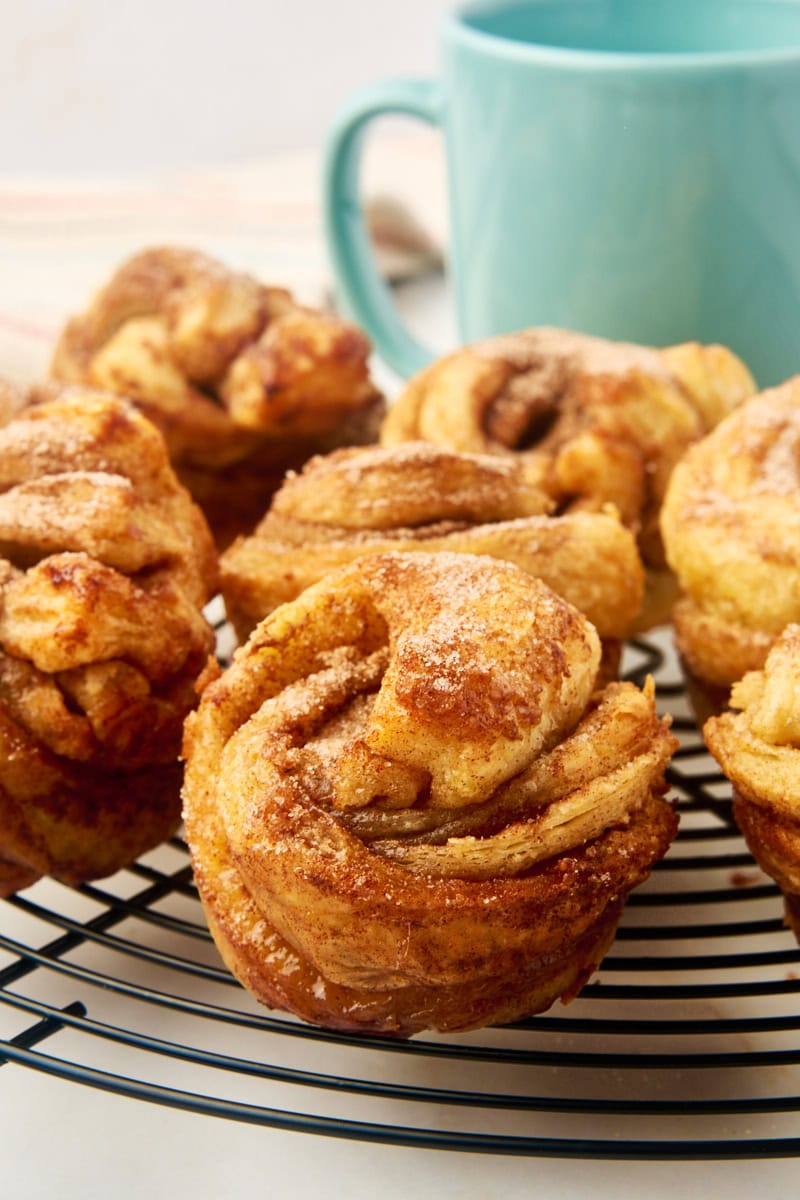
(598, 422)
(731, 525)
(774, 842)
(242, 380)
(420, 497)
(758, 748)
(105, 564)
(407, 805)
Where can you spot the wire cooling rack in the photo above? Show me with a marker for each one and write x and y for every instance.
(685, 1045)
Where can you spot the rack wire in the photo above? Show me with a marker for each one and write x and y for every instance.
(685, 1044)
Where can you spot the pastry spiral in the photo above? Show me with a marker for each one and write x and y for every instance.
(758, 748)
(598, 422)
(420, 497)
(731, 524)
(105, 564)
(242, 381)
(408, 807)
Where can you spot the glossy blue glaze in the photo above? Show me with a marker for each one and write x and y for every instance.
(629, 168)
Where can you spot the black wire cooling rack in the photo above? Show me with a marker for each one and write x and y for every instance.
(685, 1045)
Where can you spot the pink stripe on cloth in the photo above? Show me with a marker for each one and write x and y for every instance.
(32, 206)
(26, 329)
(62, 238)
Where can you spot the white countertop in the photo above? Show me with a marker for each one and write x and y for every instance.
(57, 1140)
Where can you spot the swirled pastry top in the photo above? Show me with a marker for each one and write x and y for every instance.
(218, 360)
(408, 806)
(731, 525)
(105, 565)
(418, 496)
(486, 668)
(602, 421)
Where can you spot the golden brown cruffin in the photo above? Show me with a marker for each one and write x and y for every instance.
(420, 497)
(597, 422)
(242, 380)
(105, 564)
(758, 748)
(409, 808)
(731, 525)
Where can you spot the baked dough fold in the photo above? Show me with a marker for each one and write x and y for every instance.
(758, 748)
(421, 497)
(731, 524)
(407, 805)
(105, 565)
(241, 379)
(598, 422)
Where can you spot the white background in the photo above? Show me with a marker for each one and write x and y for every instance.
(95, 85)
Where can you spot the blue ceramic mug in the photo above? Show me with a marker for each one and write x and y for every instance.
(628, 168)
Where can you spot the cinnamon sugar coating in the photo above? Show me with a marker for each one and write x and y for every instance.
(242, 381)
(599, 422)
(420, 497)
(409, 807)
(105, 565)
(758, 748)
(731, 525)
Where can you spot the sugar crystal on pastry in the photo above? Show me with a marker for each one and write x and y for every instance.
(242, 380)
(424, 498)
(758, 747)
(731, 525)
(105, 565)
(409, 807)
(598, 422)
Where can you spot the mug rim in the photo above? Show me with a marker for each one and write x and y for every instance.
(457, 30)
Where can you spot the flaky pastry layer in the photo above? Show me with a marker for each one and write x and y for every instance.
(731, 525)
(598, 422)
(407, 805)
(758, 748)
(420, 497)
(105, 565)
(242, 381)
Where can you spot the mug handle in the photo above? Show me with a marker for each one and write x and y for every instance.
(364, 292)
